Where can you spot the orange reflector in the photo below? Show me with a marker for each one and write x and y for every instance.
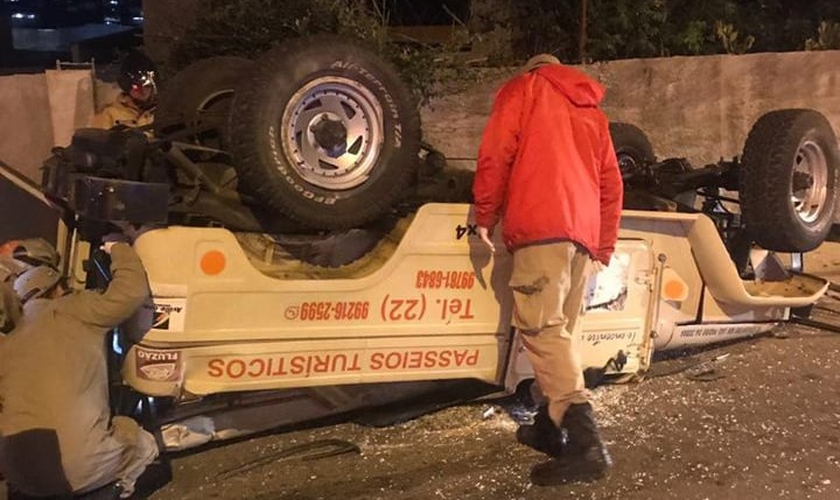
(8, 248)
(213, 262)
(673, 287)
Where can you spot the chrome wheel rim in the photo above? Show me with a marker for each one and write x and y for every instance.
(332, 133)
(809, 182)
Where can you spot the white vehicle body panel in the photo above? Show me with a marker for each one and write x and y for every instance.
(434, 306)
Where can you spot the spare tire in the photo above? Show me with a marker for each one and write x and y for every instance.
(200, 95)
(325, 132)
(632, 148)
(788, 180)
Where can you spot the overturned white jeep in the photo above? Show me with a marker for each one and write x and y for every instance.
(309, 259)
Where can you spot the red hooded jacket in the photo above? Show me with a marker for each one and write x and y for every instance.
(547, 163)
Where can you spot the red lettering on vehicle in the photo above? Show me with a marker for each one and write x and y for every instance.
(281, 368)
(345, 366)
(464, 358)
(461, 309)
(318, 364)
(411, 360)
(392, 361)
(298, 365)
(376, 361)
(430, 359)
(329, 311)
(444, 359)
(403, 309)
(322, 365)
(451, 280)
(216, 368)
(261, 369)
(238, 371)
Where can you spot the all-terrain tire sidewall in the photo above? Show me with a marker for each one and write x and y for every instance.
(631, 141)
(183, 95)
(265, 168)
(766, 175)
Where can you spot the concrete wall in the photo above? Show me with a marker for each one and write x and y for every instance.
(700, 108)
(26, 133)
(71, 102)
(41, 111)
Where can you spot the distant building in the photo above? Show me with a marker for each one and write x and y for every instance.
(34, 33)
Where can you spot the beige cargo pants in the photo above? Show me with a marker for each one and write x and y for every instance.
(548, 283)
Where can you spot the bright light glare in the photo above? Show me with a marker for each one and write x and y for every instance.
(115, 344)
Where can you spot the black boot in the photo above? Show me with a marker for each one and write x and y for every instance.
(543, 435)
(584, 457)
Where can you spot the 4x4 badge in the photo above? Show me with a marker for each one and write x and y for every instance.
(468, 230)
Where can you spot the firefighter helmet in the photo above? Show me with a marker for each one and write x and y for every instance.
(35, 252)
(137, 71)
(36, 282)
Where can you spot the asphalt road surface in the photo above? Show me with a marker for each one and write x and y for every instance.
(761, 423)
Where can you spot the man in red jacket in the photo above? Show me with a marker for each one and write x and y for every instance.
(547, 168)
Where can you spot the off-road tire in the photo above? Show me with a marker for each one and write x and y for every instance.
(778, 142)
(347, 82)
(632, 147)
(201, 93)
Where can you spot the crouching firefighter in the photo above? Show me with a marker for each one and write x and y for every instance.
(16, 256)
(57, 437)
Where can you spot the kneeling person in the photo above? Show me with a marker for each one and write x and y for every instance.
(57, 436)
(16, 256)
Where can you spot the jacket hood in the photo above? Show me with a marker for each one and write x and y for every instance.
(579, 88)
